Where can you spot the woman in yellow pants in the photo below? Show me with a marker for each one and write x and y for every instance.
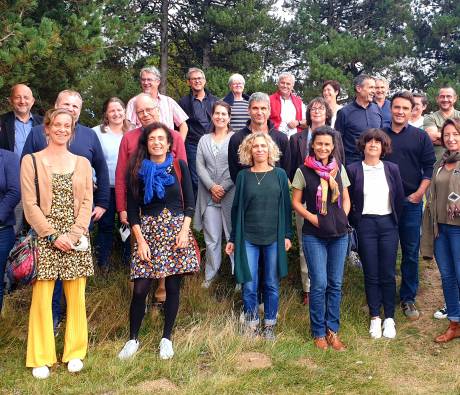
(59, 210)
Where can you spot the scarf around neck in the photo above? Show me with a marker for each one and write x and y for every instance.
(327, 176)
(155, 177)
(453, 202)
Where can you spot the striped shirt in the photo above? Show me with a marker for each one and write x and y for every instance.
(239, 114)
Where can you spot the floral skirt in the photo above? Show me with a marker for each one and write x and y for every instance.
(160, 234)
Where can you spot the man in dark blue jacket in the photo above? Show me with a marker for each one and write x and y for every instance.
(198, 106)
(84, 143)
(413, 152)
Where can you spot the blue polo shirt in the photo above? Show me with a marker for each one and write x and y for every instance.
(352, 120)
(412, 151)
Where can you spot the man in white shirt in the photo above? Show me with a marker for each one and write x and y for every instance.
(171, 114)
(420, 104)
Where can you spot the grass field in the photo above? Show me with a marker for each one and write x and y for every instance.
(212, 358)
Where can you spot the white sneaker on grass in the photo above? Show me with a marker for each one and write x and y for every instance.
(166, 349)
(375, 328)
(129, 349)
(441, 314)
(75, 365)
(389, 328)
(42, 372)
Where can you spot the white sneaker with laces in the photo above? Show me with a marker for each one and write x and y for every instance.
(375, 328)
(441, 314)
(129, 349)
(166, 349)
(42, 372)
(75, 365)
(389, 328)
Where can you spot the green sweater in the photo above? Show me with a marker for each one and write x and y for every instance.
(284, 227)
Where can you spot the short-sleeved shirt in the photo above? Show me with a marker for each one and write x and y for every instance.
(299, 181)
(437, 119)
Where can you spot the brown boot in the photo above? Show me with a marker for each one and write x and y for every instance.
(321, 343)
(334, 341)
(452, 332)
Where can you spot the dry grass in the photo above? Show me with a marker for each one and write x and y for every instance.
(210, 352)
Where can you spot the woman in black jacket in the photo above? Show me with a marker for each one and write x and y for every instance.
(377, 194)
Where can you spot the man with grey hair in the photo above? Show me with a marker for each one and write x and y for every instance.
(171, 114)
(238, 101)
(287, 111)
(198, 106)
(358, 116)
(259, 113)
(382, 87)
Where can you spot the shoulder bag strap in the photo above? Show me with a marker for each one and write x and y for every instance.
(37, 189)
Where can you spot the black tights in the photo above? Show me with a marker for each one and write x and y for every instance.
(171, 305)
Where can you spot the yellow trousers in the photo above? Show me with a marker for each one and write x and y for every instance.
(41, 348)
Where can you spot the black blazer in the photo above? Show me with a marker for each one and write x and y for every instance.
(356, 190)
(299, 150)
(7, 135)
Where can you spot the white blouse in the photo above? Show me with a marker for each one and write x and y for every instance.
(376, 190)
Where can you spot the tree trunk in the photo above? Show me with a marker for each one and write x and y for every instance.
(164, 45)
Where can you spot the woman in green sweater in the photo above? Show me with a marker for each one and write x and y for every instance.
(261, 222)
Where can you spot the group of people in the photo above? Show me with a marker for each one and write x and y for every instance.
(228, 168)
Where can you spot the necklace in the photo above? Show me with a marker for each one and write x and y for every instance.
(257, 178)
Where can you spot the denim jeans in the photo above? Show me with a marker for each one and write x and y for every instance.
(325, 260)
(190, 149)
(7, 238)
(378, 247)
(409, 238)
(447, 254)
(270, 283)
(104, 237)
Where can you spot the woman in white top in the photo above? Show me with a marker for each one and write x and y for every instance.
(377, 194)
(110, 132)
(331, 90)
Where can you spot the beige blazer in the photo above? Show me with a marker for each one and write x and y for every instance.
(82, 184)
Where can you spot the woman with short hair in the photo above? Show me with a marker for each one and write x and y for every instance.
(376, 194)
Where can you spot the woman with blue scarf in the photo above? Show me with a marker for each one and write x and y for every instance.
(160, 210)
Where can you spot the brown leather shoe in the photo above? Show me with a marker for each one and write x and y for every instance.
(333, 340)
(452, 332)
(321, 343)
(306, 298)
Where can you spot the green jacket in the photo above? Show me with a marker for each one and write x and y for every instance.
(242, 272)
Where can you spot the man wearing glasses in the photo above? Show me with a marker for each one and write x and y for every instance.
(171, 114)
(197, 105)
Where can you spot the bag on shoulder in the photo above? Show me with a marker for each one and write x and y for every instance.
(21, 266)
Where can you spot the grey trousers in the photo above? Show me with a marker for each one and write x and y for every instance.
(303, 263)
(213, 224)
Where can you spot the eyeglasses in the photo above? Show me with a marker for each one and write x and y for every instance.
(196, 79)
(317, 109)
(149, 79)
(147, 111)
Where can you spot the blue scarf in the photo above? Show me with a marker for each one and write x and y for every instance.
(155, 178)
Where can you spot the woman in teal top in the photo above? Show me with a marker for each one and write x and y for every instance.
(261, 222)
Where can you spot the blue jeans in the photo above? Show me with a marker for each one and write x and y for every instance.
(190, 149)
(447, 254)
(325, 260)
(104, 237)
(409, 239)
(7, 238)
(270, 283)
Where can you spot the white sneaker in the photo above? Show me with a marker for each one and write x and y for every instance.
(75, 365)
(389, 328)
(375, 328)
(129, 349)
(43, 372)
(166, 349)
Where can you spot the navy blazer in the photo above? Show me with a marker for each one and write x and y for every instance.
(10, 192)
(356, 190)
(7, 131)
